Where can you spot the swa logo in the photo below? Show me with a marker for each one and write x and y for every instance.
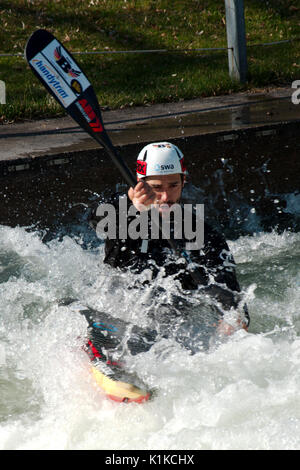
(159, 167)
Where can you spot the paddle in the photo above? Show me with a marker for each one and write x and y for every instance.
(59, 72)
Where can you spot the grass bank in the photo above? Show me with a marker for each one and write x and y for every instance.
(140, 79)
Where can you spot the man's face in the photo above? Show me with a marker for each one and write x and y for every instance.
(168, 189)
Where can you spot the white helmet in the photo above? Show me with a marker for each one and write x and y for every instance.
(161, 158)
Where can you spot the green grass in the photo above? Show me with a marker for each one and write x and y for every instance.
(138, 79)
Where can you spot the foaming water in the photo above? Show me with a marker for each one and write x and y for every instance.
(241, 394)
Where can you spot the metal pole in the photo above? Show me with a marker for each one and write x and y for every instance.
(236, 39)
(2, 92)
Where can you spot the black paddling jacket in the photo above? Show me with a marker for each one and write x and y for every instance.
(214, 263)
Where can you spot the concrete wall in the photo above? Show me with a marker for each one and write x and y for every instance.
(248, 180)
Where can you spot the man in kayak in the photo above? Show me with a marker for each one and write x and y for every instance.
(161, 176)
(203, 271)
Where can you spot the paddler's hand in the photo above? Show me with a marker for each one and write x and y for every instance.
(142, 196)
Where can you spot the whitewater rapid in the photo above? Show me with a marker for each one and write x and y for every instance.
(242, 394)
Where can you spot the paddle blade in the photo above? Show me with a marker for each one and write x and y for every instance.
(62, 76)
(59, 72)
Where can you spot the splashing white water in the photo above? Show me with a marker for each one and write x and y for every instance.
(244, 394)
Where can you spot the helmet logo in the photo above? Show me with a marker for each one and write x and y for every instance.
(162, 145)
(183, 168)
(159, 167)
(141, 167)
